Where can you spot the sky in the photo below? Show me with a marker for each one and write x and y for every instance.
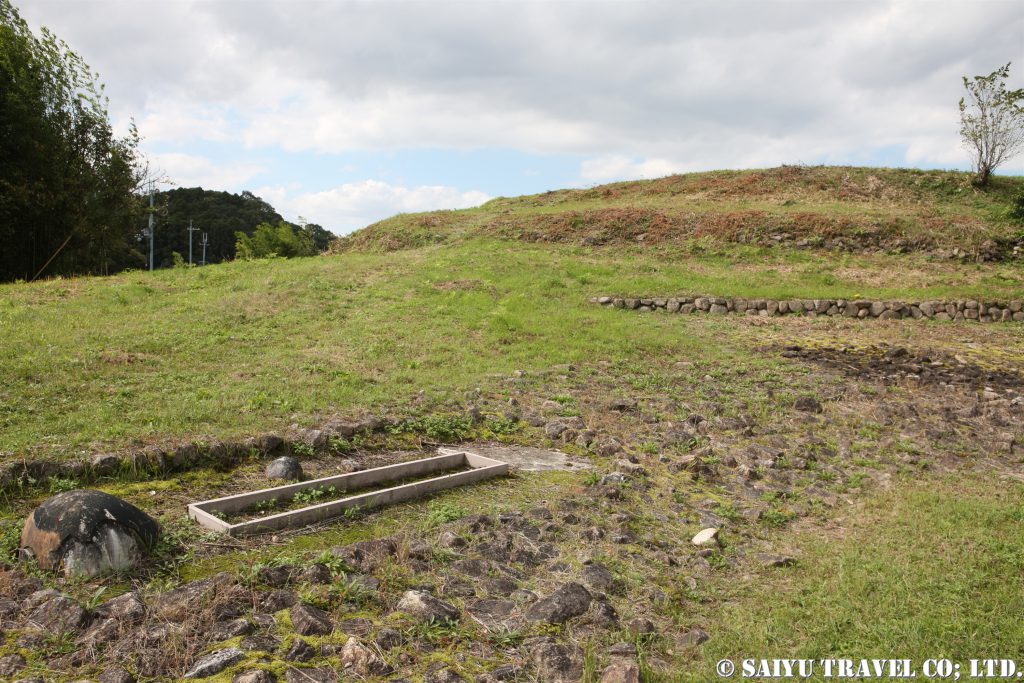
(344, 113)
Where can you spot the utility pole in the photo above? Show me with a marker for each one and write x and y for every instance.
(151, 225)
(206, 240)
(190, 231)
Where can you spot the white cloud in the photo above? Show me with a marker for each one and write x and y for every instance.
(177, 118)
(351, 206)
(187, 170)
(620, 167)
(657, 84)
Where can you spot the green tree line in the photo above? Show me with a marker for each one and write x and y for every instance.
(72, 193)
(223, 216)
(68, 201)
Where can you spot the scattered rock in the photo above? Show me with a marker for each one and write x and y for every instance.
(231, 629)
(277, 600)
(322, 674)
(88, 533)
(641, 627)
(316, 574)
(570, 600)
(310, 621)
(389, 638)
(255, 676)
(275, 577)
(116, 674)
(177, 604)
(707, 536)
(598, 577)
(426, 607)
(492, 613)
(808, 404)
(622, 650)
(363, 660)
(59, 614)
(127, 608)
(556, 662)
(622, 671)
(260, 643)
(286, 468)
(770, 560)
(215, 662)
(443, 674)
(450, 539)
(11, 664)
(300, 651)
(694, 637)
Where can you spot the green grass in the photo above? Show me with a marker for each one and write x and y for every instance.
(232, 349)
(930, 569)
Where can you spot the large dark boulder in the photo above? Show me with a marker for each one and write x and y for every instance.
(87, 533)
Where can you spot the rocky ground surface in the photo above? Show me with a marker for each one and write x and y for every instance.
(697, 470)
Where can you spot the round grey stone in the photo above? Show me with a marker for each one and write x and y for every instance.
(286, 467)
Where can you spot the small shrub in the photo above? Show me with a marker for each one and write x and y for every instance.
(442, 513)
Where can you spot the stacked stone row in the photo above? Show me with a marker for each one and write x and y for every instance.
(962, 309)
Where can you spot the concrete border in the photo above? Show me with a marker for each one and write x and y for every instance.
(482, 468)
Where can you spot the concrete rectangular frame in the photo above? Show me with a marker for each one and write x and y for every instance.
(481, 468)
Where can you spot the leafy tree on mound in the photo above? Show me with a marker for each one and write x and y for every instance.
(991, 121)
(67, 183)
(281, 240)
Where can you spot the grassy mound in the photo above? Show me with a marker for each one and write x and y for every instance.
(844, 208)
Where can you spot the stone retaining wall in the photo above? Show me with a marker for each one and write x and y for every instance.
(154, 460)
(961, 309)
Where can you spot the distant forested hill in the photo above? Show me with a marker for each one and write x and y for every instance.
(220, 215)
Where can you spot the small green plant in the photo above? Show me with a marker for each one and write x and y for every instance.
(263, 505)
(448, 428)
(504, 426)
(302, 449)
(728, 511)
(441, 513)
(337, 565)
(437, 632)
(96, 599)
(777, 517)
(10, 540)
(318, 596)
(60, 485)
(592, 479)
(505, 638)
(352, 592)
(697, 442)
(340, 444)
(314, 495)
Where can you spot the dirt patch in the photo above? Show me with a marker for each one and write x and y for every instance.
(523, 458)
(896, 364)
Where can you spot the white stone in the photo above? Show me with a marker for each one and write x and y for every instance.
(706, 536)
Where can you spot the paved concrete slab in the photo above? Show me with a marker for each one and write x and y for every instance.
(523, 458)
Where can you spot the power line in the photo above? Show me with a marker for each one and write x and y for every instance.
(206, 240)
